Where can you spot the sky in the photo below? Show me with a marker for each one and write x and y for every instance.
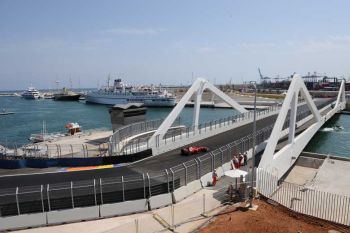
(169, 42)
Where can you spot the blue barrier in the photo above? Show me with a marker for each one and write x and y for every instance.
(15, 163)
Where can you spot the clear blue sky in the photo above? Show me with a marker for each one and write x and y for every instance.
(42, 41)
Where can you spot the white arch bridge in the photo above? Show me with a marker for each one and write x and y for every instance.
(299, 110)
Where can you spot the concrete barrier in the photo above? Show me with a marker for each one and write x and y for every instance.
(22, 221)
(123, 208)
(220, 172)
(73, 215)
(206, 178)
(185, 191)
(160, 200)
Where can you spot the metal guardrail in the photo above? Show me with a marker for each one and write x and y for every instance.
(24, 200)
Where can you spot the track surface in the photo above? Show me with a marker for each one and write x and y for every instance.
(156, 163)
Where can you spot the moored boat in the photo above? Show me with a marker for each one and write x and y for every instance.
(67, 95)
(120, 93)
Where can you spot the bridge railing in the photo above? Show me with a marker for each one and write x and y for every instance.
(117, 140)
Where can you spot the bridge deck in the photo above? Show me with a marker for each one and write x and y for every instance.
(156, 163)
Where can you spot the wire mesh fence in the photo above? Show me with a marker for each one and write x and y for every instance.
(118, 189)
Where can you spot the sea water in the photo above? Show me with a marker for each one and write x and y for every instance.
(30, 115)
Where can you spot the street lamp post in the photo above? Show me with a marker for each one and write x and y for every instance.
(253, 149)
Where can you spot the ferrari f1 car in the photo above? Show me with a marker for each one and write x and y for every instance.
(194, 150)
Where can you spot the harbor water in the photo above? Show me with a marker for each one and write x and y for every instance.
(30, 115)
(333, 138)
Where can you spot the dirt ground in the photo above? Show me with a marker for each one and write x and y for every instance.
(268, 219)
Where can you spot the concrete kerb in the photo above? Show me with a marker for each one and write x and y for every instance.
(73, 215)
(22, 221)
(124, 208)
(160, 200)
(185, 191)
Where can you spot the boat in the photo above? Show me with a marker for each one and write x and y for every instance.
(120, 93)
(4, 112)
(73, 128)
(31, 93)
(44, 136)
(66, 95)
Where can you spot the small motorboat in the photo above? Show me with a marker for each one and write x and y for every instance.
(4, 112)
(337, 128)
(73, 128)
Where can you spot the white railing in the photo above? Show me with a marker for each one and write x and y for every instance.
(324, 205)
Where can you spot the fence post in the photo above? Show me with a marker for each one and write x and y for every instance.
(173, 176)
(17, 202)
(123, 190)
(87, 151)
(71, 147)
(198, 171)
(101, 191)
(95, 192)
(144, 185)
(222, 156)
(212, 162)
(203, 204)
(167, 179)
(149, 185)
(183, 164)
(42, 198)
(172, 216)
(71, 193)
(48, 196)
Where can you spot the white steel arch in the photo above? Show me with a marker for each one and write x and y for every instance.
(197, 88)
(278, 163)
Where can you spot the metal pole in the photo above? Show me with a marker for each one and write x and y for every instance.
(149, 185)
(48, 196)
(95, 192)
(18, 210)
(253, 149)
(144, 186)
(42, 198)
(172, 216)
(101, 193)
(123, 188)
(71, 193)
(203, 204)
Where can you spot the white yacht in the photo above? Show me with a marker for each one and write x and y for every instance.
(31, 93)
(120, 93)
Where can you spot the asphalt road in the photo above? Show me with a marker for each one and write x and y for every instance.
(156, 163)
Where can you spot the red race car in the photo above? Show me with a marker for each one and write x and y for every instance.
(194, 150)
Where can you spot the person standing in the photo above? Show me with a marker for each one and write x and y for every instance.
(215, 177)
(245, 159)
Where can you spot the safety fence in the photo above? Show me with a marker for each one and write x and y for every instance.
(54, 150)
(203, 206)
(324, 205)
(58, 196)
(152, 186)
